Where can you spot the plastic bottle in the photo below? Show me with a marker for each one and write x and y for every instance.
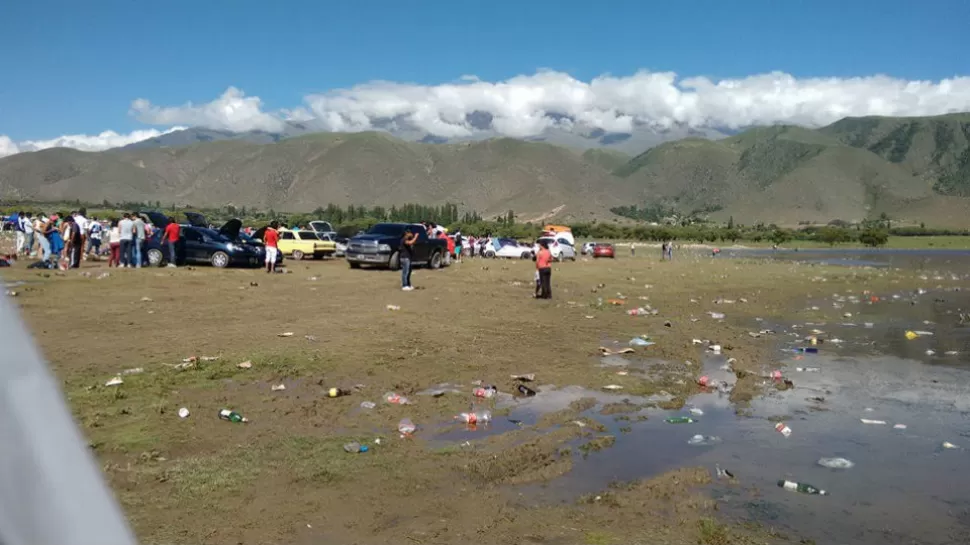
(406, 426)
(395, 399)
(680, 420)
(808, 369)
(355, 447)
(337, 392)
(806, 350)
(485, 391)
(232, 416)
(783, 429)
(804, 488)
(477, 417)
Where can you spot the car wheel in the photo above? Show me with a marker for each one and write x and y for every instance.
(490, 254)
(220, 260)
(155, 257)
(395, 262)
(559, 258)
(435, 262)
(354, 265)
(526, 255)
(297, 255)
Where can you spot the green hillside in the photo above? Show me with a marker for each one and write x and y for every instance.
(936, 149)
(608, 159)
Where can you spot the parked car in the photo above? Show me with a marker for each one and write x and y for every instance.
(510, 249)
(201, 245)
(604, 250)
(560, 248)
(380, 247)
(587, 248)
(301, 244)
(340, 244)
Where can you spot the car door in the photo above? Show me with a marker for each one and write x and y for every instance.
(422, 248)
(287, 242)
(194, 247)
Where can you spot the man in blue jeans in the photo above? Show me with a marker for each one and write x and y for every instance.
(407, 252)
(139, 240)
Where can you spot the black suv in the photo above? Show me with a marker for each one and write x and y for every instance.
(380, 246)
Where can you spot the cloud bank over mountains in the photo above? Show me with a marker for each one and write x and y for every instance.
(529, 105)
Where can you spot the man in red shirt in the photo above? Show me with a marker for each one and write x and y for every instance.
(171, 237)
(544, 267)
(270, 238)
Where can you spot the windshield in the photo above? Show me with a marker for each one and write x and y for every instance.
(306, 235)
(213, 235)
(391, 229)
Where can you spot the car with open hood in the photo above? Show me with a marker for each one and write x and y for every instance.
(198, 244)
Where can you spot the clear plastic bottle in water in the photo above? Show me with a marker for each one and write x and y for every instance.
(477, 417)
(485, 391)
(395, 399)
(406, 426)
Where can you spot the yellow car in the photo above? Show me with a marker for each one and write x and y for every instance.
(304, 244)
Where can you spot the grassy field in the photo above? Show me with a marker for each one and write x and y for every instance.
(284, 477)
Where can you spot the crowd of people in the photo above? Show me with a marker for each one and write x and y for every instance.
(63, 242)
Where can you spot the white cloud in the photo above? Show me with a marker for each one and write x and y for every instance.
(233, 111)
(83, 142)
(530, 104)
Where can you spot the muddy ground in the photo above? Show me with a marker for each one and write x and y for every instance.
(285, 478)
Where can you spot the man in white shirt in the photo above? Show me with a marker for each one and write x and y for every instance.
(83, 224)
(139, 240)
(126, 228)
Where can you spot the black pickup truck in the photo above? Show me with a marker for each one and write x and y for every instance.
(380, 246)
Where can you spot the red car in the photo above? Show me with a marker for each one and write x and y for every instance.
(604, 250)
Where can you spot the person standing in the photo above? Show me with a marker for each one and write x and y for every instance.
(43, 231)
(83, 224)
(271, 239)
(126, 231)
(73, 242)
(406, 253)
(459, 242)
(18, 224)
(28, 226)
(171, 238)
(114, 243)
(94, 237)
(138, 225)
(57, 241)
(633, 249)
(544, 268)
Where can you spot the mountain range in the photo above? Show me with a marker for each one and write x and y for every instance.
(914, 169)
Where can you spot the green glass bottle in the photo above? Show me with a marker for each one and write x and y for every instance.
(680, 420)
(232, 416)
(804, 488)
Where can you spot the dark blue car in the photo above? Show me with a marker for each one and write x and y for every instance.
(199, 244)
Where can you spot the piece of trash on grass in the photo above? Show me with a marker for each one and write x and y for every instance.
(367, 404)
(723, 473)
(208, 358)
(695, 411)
(804, 488)
(703, 440)
(285, 334)
(232, 416)
(353, 448)
(622, 373)
(183, 413)
(783, 429)
(680, 420)
(395, 399)
(716, 315)
(808, 369)
(393, 307)
(527, 377)
(310, 338)
(640, 341)
(835, 463)
(607, 352)
(114, 382)
(612, 387)
(146, 299)
(947, 444)
(899, 426)
(876, 422)
(245, 364)
(133, 371)
(278, 387)
(406, 427)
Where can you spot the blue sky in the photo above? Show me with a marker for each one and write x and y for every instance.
(75, 67)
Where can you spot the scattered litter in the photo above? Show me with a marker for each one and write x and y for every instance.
(930, 352)
(367, 405)
(133, 371)
(783, 429)
(208, 358)
(804, 488)
(393, 307)
(714, 348)
(579, 423)
(899, 427)
(245, 364)
(183, 413)
(680, 420)
(525, 390)
(696, 412)
(278, 387)
(354, 448)
(485, 391)
(835, 463)
(612, 387)
(527, 377)
(923, 333)
(947, 444)
(146, 299)
(808, 369)
(622, 373)
(717, 315)
(875, 422)
(310, 338)
(868, 325)
(114, 382)
(640, 341)
(479, 417)
(285, 334)
(723, 473)
(703, 440)
(951, 352)
(910, 335)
